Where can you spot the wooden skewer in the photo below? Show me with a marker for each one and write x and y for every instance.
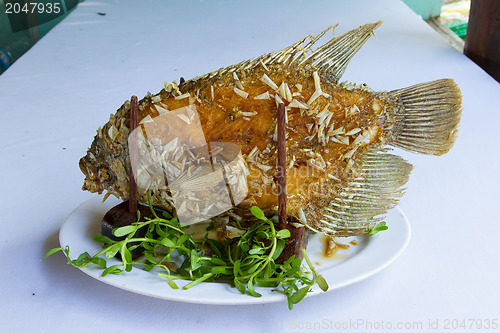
(132, 199)
(281, 166)
(298, 238)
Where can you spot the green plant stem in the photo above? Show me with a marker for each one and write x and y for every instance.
(268, 257)
(195, 282)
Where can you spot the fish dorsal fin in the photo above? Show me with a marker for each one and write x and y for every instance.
(334, 56)
(331, 58)
(289, 55)
(361, 203)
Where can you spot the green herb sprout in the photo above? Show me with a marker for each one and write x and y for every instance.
(380, 227)
(246, 261)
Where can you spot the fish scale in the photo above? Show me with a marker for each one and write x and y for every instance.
(341, 179)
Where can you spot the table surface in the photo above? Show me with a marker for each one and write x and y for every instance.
(55, 97)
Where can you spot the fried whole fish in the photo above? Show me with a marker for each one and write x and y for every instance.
(340, 178)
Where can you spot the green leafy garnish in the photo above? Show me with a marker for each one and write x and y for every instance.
(380, 227)
(247, 261)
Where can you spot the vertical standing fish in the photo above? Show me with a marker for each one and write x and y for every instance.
(340, 178)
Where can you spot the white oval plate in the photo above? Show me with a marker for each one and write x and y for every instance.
(368, 257)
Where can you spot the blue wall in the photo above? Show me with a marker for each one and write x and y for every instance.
(425, 8)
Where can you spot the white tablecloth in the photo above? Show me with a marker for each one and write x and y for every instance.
(55, 97)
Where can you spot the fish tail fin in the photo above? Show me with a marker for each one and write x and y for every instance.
(364, 199)
(428, 118)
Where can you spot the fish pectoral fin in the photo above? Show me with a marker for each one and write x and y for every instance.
(427, 122)
(361, 204)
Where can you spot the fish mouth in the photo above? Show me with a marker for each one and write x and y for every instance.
(91, 182)
(96, 177)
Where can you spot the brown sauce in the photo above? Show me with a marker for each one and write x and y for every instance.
(330, 246)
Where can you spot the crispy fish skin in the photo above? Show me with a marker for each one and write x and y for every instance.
(340, 180)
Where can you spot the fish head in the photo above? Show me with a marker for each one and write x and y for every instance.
(105, 163)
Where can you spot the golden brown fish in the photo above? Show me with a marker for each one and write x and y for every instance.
(340, 178)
